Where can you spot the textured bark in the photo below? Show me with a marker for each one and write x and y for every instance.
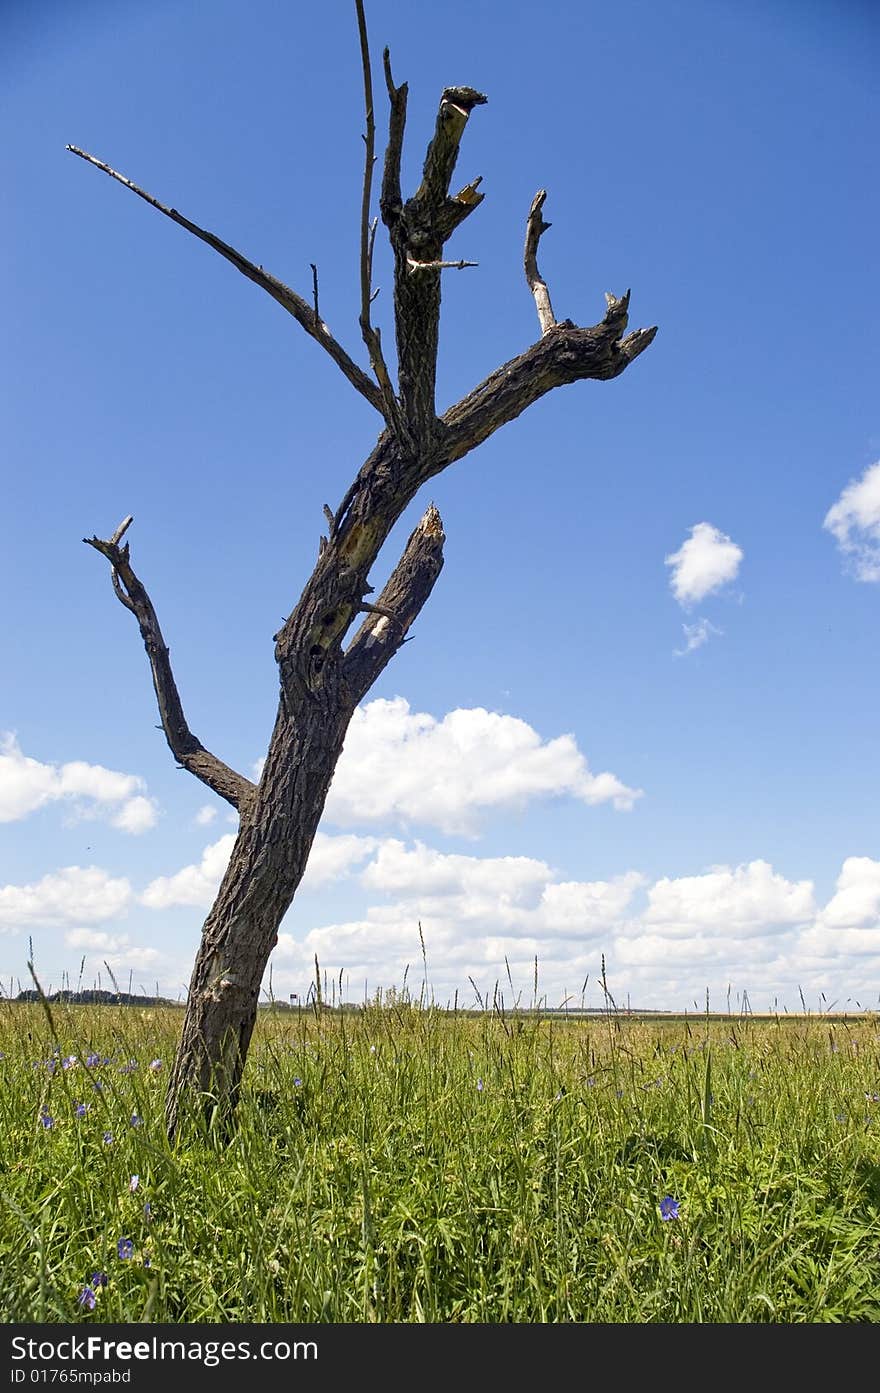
(321, 679)
(267, 864)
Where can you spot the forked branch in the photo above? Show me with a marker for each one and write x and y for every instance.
(295, 305)
(187, 749)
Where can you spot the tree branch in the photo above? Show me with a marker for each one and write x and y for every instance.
(186, 747)
(371, 336)
(390, 200)
(401, 601)
(564, 354)
(535, 227)
(418, 231)
(295, 305)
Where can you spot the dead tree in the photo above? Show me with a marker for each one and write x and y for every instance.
(326, 669)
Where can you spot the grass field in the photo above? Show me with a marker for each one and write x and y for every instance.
(402, 1164)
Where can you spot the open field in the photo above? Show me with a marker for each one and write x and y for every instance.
(402, 1164)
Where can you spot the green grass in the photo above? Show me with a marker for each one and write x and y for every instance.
(402, 1164)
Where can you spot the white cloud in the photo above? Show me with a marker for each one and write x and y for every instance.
(205, 815)
(695, 636)
(704, 563)
(747, 924)
(856, 901)
(330, 859)
(136, 815)
(750, 899)
(116, 949)
(854, 522)
(27, 784)
(74, 894)
(195, 884)
(408, 766)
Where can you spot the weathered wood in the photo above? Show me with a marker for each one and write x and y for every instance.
(325, 668)
(187, 749)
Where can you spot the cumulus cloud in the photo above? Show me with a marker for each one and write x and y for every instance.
(27, 785)
(665, 944)
(703, 564)
(750, 899)
(410, 767)
(205, 815)
(856, 901)
(136, 815)
(115, 949)
(854, 522)
(197, 884)
(73, 895)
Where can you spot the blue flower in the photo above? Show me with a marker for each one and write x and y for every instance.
(135, 1120)
(80, 1109)
(479, 1085)
(108, 1137)
(134, 1183)
(668, 1208)
(46, 1119)
(297, 1083)
(98, 1279)
(125, 1248)
(148, 1210)
(87, 1298)
(92, 1059)
(69, 1062)
(155, 1065)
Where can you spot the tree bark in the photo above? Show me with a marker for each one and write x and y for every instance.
(267, 864)
(321, 680)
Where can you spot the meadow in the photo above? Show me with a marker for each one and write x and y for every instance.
(399, 1163)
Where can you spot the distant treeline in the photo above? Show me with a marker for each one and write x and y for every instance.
(95, 997)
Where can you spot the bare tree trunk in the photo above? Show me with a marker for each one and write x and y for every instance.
(323, 673)
(267, 864)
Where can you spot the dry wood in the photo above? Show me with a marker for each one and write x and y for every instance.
(325, 668)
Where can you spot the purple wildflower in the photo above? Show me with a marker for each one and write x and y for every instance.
(98, 1279)
(297, 1083)
(81, 1109)
(87, 1298)
(108, 1137)
(135, 1120)
(125, 1248)
(133, 1184)
(148, 1210)
(92, 1060)
(155, 1065)
(669, 1208)
(47, 1119)
(69, 1062)
(479, 1085)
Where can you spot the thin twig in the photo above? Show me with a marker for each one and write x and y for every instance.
(371, 336)
(413, 265)
(315, 290)
(281, 293)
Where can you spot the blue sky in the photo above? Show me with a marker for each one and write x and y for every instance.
(670, 580)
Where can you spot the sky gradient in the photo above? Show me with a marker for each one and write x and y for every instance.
(638, 718)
